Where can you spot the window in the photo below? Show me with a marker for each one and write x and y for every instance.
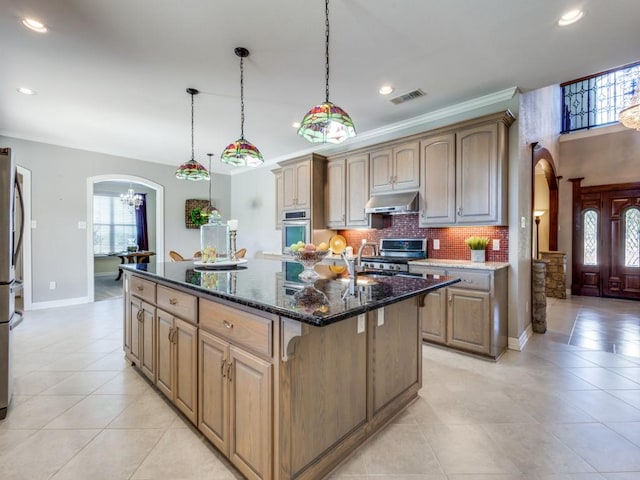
(632, 238)
(590, 240)
(597, 100)
(114, 224)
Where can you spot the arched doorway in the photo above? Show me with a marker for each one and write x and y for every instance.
(159, 219)
(544, 200)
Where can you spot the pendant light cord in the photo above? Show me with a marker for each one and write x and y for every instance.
(326, 55)
(192, 149)
(210, 181)
(242, 97)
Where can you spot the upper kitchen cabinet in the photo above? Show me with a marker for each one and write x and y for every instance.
(395, 169)
(302, 187)
(465, 174)
(348, 192)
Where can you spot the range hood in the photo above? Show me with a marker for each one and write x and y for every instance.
(393, 203)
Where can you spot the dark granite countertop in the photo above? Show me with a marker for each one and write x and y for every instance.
(273, 286)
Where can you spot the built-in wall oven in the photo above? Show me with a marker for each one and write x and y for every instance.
(296, 227)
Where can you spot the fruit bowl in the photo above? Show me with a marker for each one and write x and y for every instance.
(309, 258)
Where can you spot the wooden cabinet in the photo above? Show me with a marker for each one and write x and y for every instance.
(296, 180)
(464, 174)
(143, 343)
(395, 169)
(236, 387)
(348, 192)
(178, 362)
(279, 197)
(470, 315)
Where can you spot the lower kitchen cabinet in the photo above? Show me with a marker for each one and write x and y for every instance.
(178, 362)
(236, 404)
(143, 343)
(470, 315)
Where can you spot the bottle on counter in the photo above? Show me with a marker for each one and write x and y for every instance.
(214, 240)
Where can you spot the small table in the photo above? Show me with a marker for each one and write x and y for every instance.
(131, 257)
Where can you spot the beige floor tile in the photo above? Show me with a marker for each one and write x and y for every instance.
(508, 476)
(43, 453)
(80, 383)
(632, 373)
(565, 359)
(126, 382)
(126, 450)
(352, 467)
(400, 450)
(73, 361)
(180, 454)
(602, 406)
(11, 438)
(38, 411)
(601, 447)
(534, 449)
(94, 411)
(112, 361)
(565, 476)
(605, 379)
(605, 359)
(36, 382)
(621, 476)
(547, 407)
(146, 411)
(632, 397)
(467, 449)
(629, 430)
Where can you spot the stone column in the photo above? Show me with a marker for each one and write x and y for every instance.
(556, 274)
(538, 295)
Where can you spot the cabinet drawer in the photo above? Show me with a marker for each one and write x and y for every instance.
(237, 326)
(178, 303)
(472, 280)
(427, 270)
(143, 288)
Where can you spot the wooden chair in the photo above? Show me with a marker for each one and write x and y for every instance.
(197, 255)
(241, 253)
(175, 256)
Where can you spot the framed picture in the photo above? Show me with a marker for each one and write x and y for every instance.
(192, 212)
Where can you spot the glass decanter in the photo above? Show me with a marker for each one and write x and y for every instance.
(214, 240)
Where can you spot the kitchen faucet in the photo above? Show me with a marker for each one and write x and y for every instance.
(354, 264)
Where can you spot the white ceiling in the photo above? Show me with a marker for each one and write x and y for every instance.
(111, 75)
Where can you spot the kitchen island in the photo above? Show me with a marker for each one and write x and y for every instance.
(285, 378)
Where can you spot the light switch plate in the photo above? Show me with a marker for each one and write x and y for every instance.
(523, 222)
(436, 244)
(496, 244)
(361, 319)
(33, 224)
(82, 225)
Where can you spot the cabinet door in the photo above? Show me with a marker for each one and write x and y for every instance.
(468, 320)
(185, 346)
(128, 320)
(434, 317)
(250, 413)
(477, 173)
(336, 190)
(136, 315)
(148, 342)
(165, 370)
(289, 188)
(279, 198)
(380, 171)
(303, 184)
(357, 190)
(438, 188)
(406, 166)
(213, 407)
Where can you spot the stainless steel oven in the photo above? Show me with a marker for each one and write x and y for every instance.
(296, 227)
(394, 256)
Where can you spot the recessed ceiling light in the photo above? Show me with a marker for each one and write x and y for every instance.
(295, 124)
(26, 91)
(34, 25)
(570, 17)
(385, 90)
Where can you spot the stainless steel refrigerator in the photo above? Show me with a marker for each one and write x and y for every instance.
(11, 208)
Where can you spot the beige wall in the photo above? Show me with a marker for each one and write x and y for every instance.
(601, 156)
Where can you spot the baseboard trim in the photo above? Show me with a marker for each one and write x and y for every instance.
(519, 343)
(106, 274)
(66, 302)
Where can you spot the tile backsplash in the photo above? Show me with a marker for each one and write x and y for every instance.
(451, 239)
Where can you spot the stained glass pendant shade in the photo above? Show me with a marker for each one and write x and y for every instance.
(242, 153)
(192, 170)
(326, 123)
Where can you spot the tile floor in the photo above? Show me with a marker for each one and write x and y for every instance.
(556, 411)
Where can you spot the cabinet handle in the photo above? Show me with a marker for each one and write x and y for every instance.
(173, 301)
(222, 365)
(139, 315)
(227, 324)
(169, 336)
(459, 211)
(229, 367)
(450, 299)
(139, 288)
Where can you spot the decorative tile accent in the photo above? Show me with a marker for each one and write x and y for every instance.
(452, 244)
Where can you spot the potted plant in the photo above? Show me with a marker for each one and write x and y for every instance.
(477, 246)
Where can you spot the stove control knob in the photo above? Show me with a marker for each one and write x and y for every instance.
(381, 266)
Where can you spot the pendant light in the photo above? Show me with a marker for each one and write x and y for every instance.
(131, 198)
(326, 123)
(630, 116)
(192, 170)
(242, 153)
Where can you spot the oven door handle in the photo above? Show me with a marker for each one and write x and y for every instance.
(14, 323)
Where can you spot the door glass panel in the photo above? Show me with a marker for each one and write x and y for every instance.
(590, 222)
(632, 238)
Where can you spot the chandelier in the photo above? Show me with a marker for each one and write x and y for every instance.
(630, 116)
(131, 198)
(327, 122)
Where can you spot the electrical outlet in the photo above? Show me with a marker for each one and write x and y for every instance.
(523, 222)
(381, 317)
(52, 285)
(33, 224)
(82, 225)
(496, 244)
(436, 244)
(526, 306)
(361, 319)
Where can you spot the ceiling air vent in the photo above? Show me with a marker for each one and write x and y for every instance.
(407, 96)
